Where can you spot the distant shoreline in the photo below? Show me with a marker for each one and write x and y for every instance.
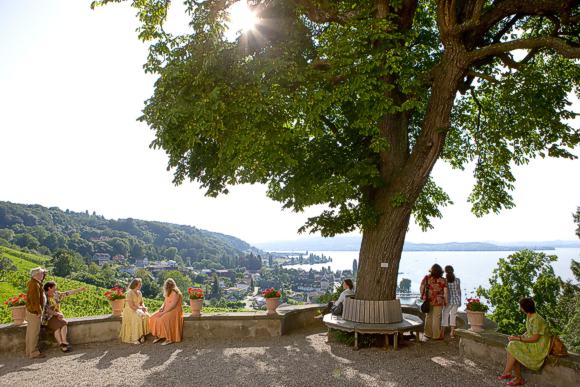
(418, 250)
(353, 244)
(500, 248)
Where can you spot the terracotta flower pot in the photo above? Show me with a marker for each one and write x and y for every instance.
(196, 306)
(271, 305)
(476, 320)
(19, 315)
(117, 306)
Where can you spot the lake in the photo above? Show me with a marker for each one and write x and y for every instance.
(473, 267)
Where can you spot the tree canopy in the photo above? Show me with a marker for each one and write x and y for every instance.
(350, 104)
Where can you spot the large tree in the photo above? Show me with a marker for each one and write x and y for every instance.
(350, 103)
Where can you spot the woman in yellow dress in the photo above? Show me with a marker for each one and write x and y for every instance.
(529, 350)
(135, 323)
(167, 322)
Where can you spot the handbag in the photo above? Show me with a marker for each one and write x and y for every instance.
(337, 309)
(557, 347)
(426, 305)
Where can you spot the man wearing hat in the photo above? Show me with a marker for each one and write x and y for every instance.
(34, 307)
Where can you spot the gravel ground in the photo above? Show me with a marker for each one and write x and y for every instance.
(300, 359)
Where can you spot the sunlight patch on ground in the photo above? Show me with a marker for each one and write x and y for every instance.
(248, 352)
(314, 343)
(367, 379)
(454, 366)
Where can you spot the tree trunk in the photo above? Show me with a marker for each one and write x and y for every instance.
(383, 244)
(404, 177)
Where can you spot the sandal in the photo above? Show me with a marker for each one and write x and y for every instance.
(517, 382)
(505, 377)
(167, 343)
(64, 347)
(158, 339)
(142, 339)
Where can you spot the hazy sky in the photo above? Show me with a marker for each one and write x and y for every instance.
(71, 88)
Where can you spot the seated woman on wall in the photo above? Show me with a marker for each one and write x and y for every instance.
(135, 324)
(336, 307)
(53, 317)
(167, 323)
(531, 349)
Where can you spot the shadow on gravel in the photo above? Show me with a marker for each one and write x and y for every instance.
(303, 358)
(306, 359)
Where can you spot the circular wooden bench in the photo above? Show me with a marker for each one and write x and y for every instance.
(409, 323)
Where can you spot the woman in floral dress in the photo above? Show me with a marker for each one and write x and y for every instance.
(529, 350)
(434, 287)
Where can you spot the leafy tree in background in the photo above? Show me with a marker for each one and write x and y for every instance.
(7, 234)
(215, 287)
(523, 274)
(62, 263)
(577, 220)
(569, 310)
(181, 280)
(119, 246)
(27, 240)
(171, 253)
(6, 265)
(570, 301)
(149, 287)
(350, 103)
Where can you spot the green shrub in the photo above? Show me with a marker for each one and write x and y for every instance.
(523, 274)
(569, 309)
(327, 297)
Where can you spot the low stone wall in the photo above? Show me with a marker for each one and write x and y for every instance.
(239, 325)
(461, 317)
(489, 347)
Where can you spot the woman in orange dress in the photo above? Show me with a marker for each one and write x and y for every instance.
(167, 323)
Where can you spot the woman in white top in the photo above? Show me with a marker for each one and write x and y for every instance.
(336, 308)
(454, 301)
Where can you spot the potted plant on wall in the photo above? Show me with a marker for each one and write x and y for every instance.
(272, 297)
(116, 297)
(195, 301)
(476, 314)
(18, 306)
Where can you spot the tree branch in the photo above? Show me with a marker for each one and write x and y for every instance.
(564, 48)
(330, 124)
(506, 8)
(476, 74)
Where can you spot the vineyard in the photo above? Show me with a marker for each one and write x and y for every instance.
(91, 302)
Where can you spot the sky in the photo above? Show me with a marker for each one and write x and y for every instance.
(72, 87)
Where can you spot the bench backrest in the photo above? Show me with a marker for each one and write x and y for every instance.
(372, 312)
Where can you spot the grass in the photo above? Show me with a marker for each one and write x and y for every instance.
(91, 302)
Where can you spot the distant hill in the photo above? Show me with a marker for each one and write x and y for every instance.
(46, 230)
(352, 243)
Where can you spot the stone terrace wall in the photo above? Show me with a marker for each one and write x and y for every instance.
(489, 347)
(239, 325)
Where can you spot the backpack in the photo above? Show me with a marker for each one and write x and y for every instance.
(426, 305)
(557, 347)
(337, 309)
